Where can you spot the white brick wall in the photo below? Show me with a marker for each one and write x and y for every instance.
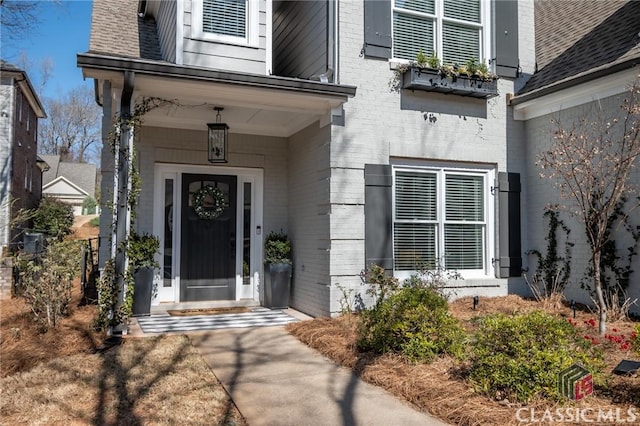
(309, 218)
(6, 108)
(383, 125)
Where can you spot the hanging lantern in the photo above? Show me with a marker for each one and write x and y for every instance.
(218, 139)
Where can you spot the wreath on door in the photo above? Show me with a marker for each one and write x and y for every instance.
(218, 203)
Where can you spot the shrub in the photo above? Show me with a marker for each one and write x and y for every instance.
(635, 338)
(89, 205)
(519, 357)
(277, 248)
(414, 322)
(46, 281)
(141, 253)
(380, 284)
(53, 217)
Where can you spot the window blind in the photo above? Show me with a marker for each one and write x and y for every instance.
(465, 10)
(460, 43)
(226, 17)
(424, 6)
(463, 246)
(416, 196)
(410, 35)
(464, 198)
(414, 244)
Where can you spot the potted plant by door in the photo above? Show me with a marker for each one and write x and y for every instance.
(277, 258)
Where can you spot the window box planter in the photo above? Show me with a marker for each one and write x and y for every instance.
(431, 80)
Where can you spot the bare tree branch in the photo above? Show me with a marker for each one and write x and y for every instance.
(591, 164)
(72, 128)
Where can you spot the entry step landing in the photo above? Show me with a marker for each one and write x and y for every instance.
(257, 317)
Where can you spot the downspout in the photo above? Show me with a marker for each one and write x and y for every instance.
(122, 186)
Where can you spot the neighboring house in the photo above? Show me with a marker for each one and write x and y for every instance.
(20, 166)
(322, 143)
(587, 58)
(69, 182)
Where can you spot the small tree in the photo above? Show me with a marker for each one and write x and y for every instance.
(46, 280)
(591, 162)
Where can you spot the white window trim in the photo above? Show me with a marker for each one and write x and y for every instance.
(488, 172)
(251, 39)
(438, 17)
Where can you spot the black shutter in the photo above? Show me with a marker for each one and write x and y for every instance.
(378, 217)
(509, 225)
(506, 36)
(377, 29)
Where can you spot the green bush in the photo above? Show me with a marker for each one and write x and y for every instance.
(53, 217)
(89, 205)
(635, 338)
(277, 248)
(519, 357)
(414, 322)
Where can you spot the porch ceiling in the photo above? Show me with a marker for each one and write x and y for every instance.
(246, 110)
(253, 104)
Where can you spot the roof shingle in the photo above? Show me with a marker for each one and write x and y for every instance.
(116, 29)
(576, 37)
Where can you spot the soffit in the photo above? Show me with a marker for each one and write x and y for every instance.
(253, 104)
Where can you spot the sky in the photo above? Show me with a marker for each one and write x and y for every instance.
(62, 32)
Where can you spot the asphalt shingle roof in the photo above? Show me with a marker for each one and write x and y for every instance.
(577, 37)
(81, 174)
(117, 30)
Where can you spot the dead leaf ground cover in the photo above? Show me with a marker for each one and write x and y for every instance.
(441, 388)
(67, 377)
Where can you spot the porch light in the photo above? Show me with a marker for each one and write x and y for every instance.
(218, 139)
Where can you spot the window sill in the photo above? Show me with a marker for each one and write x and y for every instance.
(431, 80)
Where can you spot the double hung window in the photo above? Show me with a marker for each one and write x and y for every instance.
(441, 217)
(454, 29)
(226, 21)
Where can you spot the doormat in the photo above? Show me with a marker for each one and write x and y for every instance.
(210, 311)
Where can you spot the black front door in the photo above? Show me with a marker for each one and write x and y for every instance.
(208, 243)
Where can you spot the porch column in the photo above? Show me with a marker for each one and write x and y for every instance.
(106, 183)
(122, 187)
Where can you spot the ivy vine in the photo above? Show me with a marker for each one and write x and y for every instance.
(553, 268)
(615, 265)
(140, 250)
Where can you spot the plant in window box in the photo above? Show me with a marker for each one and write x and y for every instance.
(277, 257)
(426, 73)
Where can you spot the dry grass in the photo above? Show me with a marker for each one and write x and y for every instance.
(65, 377)
(441, 388)
(143, 381)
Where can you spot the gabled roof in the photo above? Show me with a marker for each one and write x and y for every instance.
(74, 192)
(577, 41)
(22, 79)
(81, 175)
(117, 29)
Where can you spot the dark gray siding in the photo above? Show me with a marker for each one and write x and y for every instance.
(167, 30)
(300, 38)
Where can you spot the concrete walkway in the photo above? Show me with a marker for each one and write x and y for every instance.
(274, 379)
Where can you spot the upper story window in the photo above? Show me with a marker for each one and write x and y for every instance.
(454, 29)
(226, 21)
